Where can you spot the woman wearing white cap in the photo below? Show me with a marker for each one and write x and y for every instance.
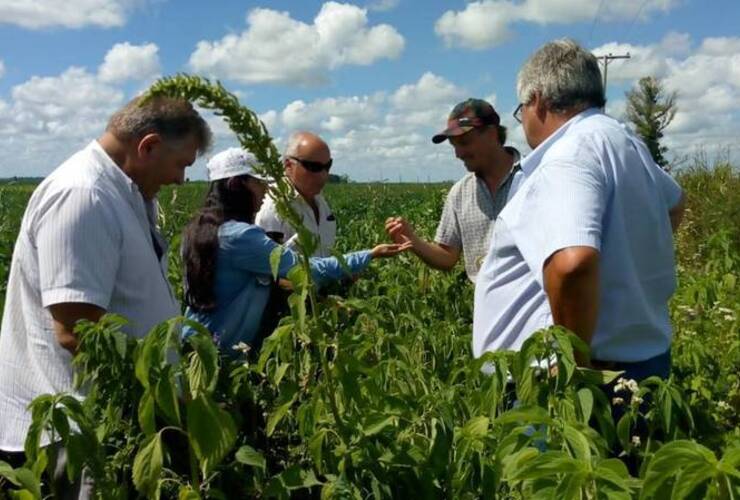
(227, 257)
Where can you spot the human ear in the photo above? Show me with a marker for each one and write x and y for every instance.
(148, 145)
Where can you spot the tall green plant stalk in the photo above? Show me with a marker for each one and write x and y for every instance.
(253, 136)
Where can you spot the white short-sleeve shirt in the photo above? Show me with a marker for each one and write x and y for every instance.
(325, 228)
(86, 236)
(592, 183)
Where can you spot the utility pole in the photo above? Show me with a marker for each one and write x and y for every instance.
(607, 58)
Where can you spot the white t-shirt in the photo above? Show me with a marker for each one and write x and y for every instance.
(591, 183)
(86, 236)
(325, 228)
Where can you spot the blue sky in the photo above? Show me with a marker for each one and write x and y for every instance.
(376, 78)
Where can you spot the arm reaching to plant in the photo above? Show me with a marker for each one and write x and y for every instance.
(436, 255)
(255, 250)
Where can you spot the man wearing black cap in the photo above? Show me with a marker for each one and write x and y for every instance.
(475, 132)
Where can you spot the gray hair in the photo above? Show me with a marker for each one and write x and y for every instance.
(172, 118)
(564, 74)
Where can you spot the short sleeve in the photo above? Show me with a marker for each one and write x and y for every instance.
(448, 230)
(563, 206)
(79, 246)
(668, 186)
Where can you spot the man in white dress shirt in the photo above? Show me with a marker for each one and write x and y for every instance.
(88, 245)
(307, 160)
(586, 240)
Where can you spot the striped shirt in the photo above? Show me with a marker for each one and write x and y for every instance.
(86, 236)
(469, 214)
(592, 183)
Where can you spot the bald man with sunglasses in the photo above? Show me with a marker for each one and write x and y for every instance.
(307, 160)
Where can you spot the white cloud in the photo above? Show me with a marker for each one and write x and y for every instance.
(48, 118)
(333, 114)
(706, 79)
(275, 48)
(126, 62)
(382, 135)
(383, 5)
(37, 14)
(2, 68)
(486, 23)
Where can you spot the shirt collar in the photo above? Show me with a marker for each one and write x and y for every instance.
(532, 160)
(112, 171)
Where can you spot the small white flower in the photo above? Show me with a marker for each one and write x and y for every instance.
(636, 441)
(722, 405)
(617, 401)
(729, 317)
(636, 400)
(725, 310)
(242, 347)
(620, 384)
(632, 385)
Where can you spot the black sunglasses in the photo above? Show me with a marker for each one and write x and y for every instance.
(313, 166)
(518, 112)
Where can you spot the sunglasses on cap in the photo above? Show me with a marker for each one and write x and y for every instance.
(313, 166)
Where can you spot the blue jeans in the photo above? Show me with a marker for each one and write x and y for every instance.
(659, 365)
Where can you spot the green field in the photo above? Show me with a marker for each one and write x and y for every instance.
(373, 392)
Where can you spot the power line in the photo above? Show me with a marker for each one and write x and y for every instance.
(593, 24)
(634, 19)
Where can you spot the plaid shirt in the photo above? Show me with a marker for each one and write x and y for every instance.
(469, 214)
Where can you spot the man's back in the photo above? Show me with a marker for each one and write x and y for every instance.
(592, 183)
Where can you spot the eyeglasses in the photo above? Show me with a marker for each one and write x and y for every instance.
(518, 112)
(313, 166)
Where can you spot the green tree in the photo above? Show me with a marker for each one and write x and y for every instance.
(651, 108)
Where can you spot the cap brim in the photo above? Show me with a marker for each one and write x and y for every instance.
(450, 132)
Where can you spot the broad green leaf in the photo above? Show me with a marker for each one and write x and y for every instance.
(211, 430)
(272, 344)
(570, 486)
(316, 446)
(280, 373)
(596, 377)
(578, 443)
(669, 460)
(203, 369)
(690, 478)
(23, 495)
(276, 416)
(275, 256)
(188, 493)
(586, 403)
(528, 414)
(166, 397)
(148, 466)
(146, 413)
(249, 456)
(376, 423)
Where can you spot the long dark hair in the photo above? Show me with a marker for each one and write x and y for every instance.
(227, 199)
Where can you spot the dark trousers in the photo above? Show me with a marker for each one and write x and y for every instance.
(80, 489)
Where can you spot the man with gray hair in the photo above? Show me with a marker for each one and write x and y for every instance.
(307, 160)
(586, 241)
(88, 245)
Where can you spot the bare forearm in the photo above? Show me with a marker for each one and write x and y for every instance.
(66, 315)
(572, 286)
(436, 255)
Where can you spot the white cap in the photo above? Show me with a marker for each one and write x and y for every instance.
(232, 162)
